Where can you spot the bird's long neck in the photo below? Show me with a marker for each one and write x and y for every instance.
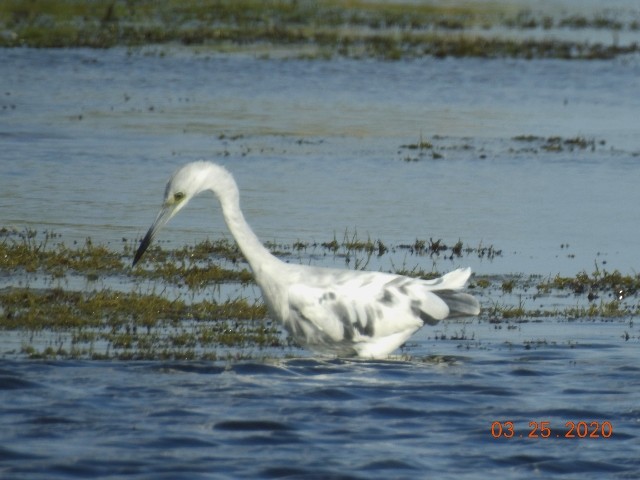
(254, 251)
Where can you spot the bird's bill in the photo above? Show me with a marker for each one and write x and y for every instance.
(163, 217)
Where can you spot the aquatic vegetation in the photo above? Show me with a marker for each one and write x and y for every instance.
(27, 251)
(417, 151)
(106, 323)
(600, 281)
(508, 285)
(387, 30)
(440, 147)
(558, 144)
(171, 306)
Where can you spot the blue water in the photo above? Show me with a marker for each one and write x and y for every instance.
(90, 137)
(306, 418)
(319, 147)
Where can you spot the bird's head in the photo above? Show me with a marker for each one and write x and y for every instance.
(184, 184)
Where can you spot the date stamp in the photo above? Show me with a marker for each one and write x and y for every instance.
(542, 429)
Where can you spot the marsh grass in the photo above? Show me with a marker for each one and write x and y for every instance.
(357, 29)
(111, 324)
(440, 147)
(32, 252)
(599, 282)
(559, 144)
(170, 307)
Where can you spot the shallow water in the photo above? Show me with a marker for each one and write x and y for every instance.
(89, 138)
(318, 148)
(306, 418)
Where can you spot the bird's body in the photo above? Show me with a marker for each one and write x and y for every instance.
(331, 311)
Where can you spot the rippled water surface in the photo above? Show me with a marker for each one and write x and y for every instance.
(320, 147)
(90, 137)
(323, 419)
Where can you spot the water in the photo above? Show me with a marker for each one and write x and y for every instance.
(318, 148)
(308, 418)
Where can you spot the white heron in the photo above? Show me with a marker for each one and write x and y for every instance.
(331, 311)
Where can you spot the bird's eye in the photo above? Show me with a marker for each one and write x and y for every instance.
(178, 196)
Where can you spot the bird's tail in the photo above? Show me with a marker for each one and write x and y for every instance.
(460, 304)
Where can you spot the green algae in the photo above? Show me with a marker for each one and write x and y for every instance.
(601, 295)
(313, 29)
(559, 144)
(160, 310)
(440, 147)
(133, 324)
(599, 282)
(32, 252)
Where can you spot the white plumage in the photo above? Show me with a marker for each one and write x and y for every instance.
(331, 311)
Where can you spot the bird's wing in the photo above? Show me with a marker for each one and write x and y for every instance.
(363, 306)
